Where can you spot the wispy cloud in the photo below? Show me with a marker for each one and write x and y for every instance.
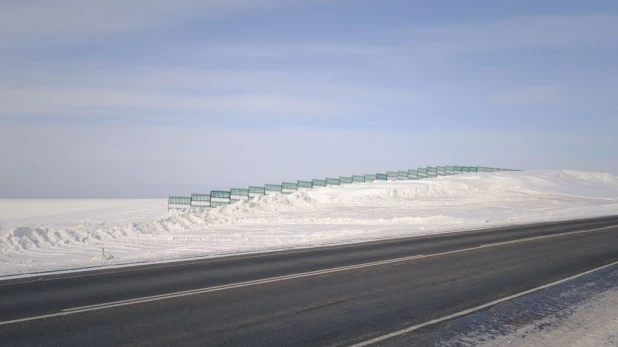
(534, 95)
(107, 102)
(26, 21)
(288, 50)
(558, 31)
(201, 93)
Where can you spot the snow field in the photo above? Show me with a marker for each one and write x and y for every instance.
(44, 235)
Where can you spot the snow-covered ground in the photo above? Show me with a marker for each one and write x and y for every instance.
(43, 235)
(593, 324)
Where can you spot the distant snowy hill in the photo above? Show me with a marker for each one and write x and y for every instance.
(40, 235)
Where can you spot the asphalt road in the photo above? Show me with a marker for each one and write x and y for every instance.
(328, 296)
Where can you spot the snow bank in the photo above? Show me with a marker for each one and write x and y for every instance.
(56, 234)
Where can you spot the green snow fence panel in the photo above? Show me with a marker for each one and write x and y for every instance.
(238, 194)
(255, 191)
(289, 185)
(178, 202)
(381, 177)
(333, 182)
(319, 183)
(305, 184)
(422, 173)
(474, 169)
(239, 191)
(358, 178)
(346, 180)
(220, 194)
(457, 169)
(441, 171)
(391, 175)
(402, 175)
(431, 171)
(200, 200)
(465, 169)
(219, 197)
(273, 188)
(450, 170)
(370, 178)
(413, 174)
(288, 188)
(219, 203)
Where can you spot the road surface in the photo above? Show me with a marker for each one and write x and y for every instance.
(340, 295)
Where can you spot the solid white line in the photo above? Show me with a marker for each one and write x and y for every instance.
(280, 278)
(245, 284)
(474, 309)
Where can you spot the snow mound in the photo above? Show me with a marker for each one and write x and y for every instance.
(596, 177)
(336, 214)
(490, 186)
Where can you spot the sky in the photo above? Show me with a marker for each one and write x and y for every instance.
(150, 98)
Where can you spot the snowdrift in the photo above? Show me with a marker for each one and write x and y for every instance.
(142, 230)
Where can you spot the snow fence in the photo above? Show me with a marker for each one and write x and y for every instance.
(224, 197)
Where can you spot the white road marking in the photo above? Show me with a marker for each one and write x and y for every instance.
(474, 309)
(248, 283)
(289, 277)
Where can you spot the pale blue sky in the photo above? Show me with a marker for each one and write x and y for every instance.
(148, 98)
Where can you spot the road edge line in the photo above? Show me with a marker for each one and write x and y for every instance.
(478, 308)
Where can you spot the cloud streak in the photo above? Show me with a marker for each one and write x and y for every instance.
(108, 102)
(535, 95)
(204, 94)
(557, 31)
(32, 21)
